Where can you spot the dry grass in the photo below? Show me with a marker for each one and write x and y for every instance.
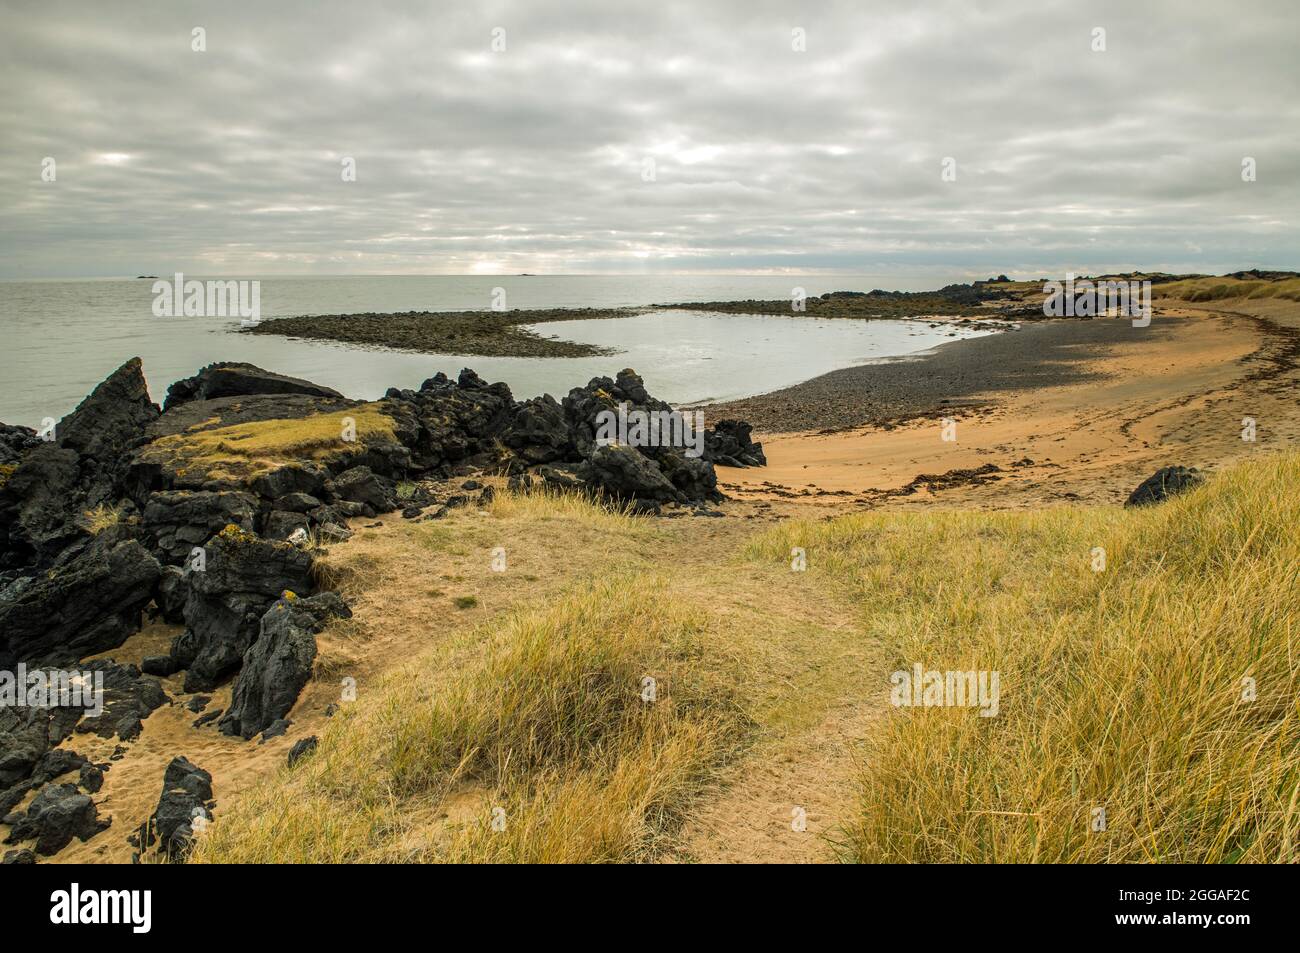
(1220, 289)
(547, 720)
(101, 517)
(1120, 689)
(531, 702)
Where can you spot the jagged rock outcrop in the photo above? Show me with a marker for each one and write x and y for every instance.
(186, 801)
(234, 379)
(112, 420)
(51, 486)
(279, 663)
(664, 468)
(86, 605)
(241, 576)
(1164, 483)
(446, 421)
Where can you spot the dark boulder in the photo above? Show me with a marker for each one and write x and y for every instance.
(26, 734)
(361, 485)
(90, 778)
(283, 525)
(728, 444)
(276, 729)
(538, 431)
(90, 604)
(55, 763)
(279, 663)
(56, 815)
(294, 478)
(296, 503)
(186, 801)
(301, 748)
(1164, 483)
(242, 575)
(624, 472)
(178, 520)
(694, 477)
(233, 379)
(158, 665)
(130, 696)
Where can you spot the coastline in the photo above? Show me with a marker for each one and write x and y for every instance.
(1063, 412)
(878, 393)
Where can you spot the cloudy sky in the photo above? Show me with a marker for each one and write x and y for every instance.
(766, 158)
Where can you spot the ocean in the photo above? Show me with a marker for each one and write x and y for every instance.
(60, 337)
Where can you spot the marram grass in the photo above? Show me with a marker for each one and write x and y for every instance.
(547, 722)
(1161, 690)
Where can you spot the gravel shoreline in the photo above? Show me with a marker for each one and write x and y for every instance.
(1040, 354)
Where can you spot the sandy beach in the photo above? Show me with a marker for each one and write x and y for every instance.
(1066, 411)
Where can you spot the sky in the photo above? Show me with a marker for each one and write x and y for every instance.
(739, 136)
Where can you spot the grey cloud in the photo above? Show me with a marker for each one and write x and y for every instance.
(531, 159)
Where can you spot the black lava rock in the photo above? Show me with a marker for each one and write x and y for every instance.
(1164, 483)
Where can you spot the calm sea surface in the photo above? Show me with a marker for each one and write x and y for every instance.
(58, 339)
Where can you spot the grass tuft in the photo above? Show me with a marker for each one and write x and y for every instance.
(547, 720)
(1123, 690)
